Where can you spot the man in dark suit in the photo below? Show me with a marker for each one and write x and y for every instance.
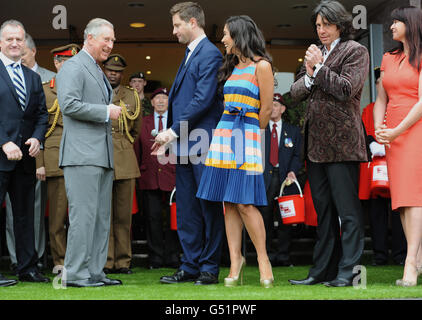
(193, 105)
(23, 123)
(332, 79)
(157, 181)
(282, 161)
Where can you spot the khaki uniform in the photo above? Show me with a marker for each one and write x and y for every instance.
(125, 171)
(56, 192)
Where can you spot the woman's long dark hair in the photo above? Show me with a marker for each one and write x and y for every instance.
(248, 39)
(412, 18)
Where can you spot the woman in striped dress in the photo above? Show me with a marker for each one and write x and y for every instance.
(233, 170)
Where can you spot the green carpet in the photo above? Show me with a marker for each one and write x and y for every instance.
(144, 285)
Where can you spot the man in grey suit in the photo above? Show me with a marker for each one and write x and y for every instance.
(86, 156)
(28, 60)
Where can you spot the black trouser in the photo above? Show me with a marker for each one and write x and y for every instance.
(379, 212)
(281, 254)
(162, 242)
(21, 188)
(334, 188)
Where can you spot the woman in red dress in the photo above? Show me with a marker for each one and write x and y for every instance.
(400, 102)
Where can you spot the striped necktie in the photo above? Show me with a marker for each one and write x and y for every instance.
(19, 86)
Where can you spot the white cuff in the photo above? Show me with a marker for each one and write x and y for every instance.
(108, 114)
(308, 82)
(173, 133)
(318, 67)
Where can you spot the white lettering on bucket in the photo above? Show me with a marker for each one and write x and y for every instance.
(287, 209)
(380, 173)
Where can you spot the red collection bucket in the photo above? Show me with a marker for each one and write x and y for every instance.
(292, 208)
(380, 186)
(173, 212)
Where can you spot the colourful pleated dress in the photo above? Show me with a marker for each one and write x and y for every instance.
(233, 168)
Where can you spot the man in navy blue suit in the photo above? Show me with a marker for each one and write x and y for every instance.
(193, 105)
(23, 124)
(282, 161)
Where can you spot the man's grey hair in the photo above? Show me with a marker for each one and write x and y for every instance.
(29, 42)
(11, 22)
(94, 27)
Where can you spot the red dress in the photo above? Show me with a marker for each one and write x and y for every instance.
(405, 154)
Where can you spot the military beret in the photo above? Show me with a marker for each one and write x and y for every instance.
(138, 74)
(66, 51)
(159, 91)
(115, 62)
(279, 98)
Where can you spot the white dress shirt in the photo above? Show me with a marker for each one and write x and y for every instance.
(192, 46)
(35, 67)
(8, 63)
(163, 119)
(325, 53)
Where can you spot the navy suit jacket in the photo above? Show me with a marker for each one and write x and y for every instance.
(289, 158)
(17, 125)
(193, 98)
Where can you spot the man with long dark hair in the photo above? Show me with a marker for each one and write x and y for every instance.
(332, 79)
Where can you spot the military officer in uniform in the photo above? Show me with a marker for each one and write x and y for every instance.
(124, 131)
(48, 161)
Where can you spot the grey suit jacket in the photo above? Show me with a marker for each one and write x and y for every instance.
(83, 99)
(45, 74)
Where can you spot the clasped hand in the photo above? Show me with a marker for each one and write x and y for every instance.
(313, 56)
(385, 135)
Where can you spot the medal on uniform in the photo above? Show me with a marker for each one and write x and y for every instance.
(288, 142)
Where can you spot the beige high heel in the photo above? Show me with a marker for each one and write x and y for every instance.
(267, 283)
(234, 281)
(405, 283)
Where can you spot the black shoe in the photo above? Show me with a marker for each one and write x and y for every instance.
(6, 282)
(179, 277)
(111, 282)
(33, 276)
(309, 281)
(108, 270)
(206, 278)
(339, 283)
(83, 283)
(124, 271)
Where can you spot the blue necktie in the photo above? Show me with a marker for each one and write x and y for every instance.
(186, 56)
(19, 86)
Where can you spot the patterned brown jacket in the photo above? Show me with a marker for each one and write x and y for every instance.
(333, 126)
